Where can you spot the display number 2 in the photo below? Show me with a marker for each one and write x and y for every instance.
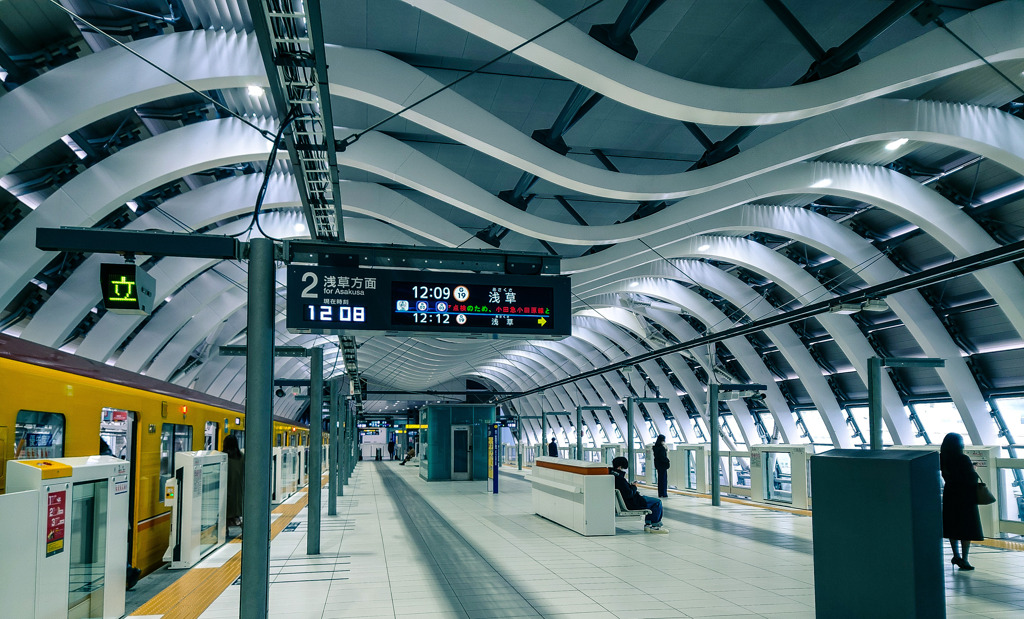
(313, 280)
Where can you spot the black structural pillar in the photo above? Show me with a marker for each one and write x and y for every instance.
(259, 383)
(316, 435)
(332, 453)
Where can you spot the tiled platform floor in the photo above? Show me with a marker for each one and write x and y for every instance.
(401, 547)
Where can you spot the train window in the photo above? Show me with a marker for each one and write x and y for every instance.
(279, 439)
(116, 432)
(173, 438)
(38, 435)
(293, 439)
(210, 439)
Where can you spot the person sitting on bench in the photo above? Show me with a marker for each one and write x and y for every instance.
(409, 455)
(635, 500)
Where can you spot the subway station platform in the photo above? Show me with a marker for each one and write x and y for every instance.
(403, 547)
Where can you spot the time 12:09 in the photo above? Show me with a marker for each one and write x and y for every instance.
(438, 293)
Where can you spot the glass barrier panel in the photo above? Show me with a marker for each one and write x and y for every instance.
(741, 471)
(209, 527)
(691, 469)
(88, 549)
(1011, 501)
(778, 481)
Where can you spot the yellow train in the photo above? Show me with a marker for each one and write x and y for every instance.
(58, 405)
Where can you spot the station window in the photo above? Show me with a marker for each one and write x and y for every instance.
(1012, 411)
(673, 432)
(939, 419)
(602, 434)
(860, 415)
(768, 420)
(38, 435)
(700, 428)
(173, 439)
(815, 427)
(588, 440)
(651, 431)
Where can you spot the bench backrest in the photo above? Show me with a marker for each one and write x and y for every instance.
(620, 503)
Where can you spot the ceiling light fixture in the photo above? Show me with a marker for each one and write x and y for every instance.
(133, 205)
(299, 227)
(825, 182)
(254, 90)
(704, 247)
(895, 144)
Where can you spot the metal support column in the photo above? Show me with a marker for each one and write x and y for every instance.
(350, 441)
(332, 453)
(875, 403)
(519, 443)
(875, 365)
(579, 432)
(716, 478)
(345, 454)
(259, 385)
(629, 438)
(316, 424)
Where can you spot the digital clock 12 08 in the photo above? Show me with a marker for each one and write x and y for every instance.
(335, 313)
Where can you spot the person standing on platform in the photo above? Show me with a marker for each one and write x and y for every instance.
(553, 448)
(634, 500)
(960, 519)
(391, 449)
(236, 480)
(661, 464)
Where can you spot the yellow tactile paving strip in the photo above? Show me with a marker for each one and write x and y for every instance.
(193, 593)
(1004, 544)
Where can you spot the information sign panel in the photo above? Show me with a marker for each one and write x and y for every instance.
(127, 289)
(335, 300)
(55, 506)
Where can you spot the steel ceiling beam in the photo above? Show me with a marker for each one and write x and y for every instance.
(288, 45)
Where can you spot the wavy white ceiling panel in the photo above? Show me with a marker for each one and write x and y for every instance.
(994, 31)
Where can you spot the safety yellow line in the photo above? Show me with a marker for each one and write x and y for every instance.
(1003, 544)
(189, 596)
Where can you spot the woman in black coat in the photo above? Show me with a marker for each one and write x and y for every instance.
(960, 518)
(661, 464)
(236, 479)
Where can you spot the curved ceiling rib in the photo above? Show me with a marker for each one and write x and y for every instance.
(573, 54)
(386, 82)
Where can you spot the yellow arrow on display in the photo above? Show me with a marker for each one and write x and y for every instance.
(542, 321)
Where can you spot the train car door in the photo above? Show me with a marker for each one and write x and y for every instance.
(117, 431)
(462, 453)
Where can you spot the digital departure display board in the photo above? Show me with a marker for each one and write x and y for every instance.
(342, 300)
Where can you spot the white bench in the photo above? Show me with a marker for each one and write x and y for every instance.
(577, 495)
(621, 511)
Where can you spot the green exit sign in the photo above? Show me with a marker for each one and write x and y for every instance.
(127, 289)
